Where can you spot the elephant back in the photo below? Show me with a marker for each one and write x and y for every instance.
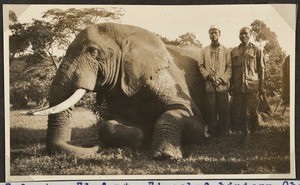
(186, 58)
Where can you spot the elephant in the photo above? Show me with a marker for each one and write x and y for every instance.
(154, 92)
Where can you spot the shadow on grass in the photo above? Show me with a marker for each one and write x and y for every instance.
(24, 136)
(268, 152)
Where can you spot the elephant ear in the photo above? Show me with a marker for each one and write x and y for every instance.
(144, 55)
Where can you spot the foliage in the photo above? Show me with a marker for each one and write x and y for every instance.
(274, 56)
(18, 41)
(32, 88)
(87, 101)
(186, 39)
(69, 22)
(56, 30)
(167, 41)
(12, 17)
(37, 37)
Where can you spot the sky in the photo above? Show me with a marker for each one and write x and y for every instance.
(174, 20)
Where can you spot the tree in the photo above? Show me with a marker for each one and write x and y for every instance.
(55, 31)
(43, 39)
(18, 41)
(12, 17)
(264, 36)
(275, 56)
(186, 39)
(167, 41)
(69, 22)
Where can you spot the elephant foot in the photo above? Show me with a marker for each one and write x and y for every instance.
(167, 151)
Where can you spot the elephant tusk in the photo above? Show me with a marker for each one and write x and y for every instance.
(62, 106)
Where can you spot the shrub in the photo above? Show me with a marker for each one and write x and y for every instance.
(32, 88)
(87, 101)
(273, 78)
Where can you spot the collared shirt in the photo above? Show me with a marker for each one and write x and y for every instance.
(214, 57)
(216, 61)
(247, 63)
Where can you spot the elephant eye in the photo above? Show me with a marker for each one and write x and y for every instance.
(93, 51)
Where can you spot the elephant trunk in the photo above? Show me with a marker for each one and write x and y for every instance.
(59, 125)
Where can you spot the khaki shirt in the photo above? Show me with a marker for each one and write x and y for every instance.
(218, 63)
(247, 63)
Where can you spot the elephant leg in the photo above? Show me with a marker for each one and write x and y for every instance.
(171, 129)
(114, 133)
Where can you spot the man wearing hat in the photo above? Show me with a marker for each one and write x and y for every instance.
(215, 67)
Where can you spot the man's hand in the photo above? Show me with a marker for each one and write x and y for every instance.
(217, 82)
(211, 77)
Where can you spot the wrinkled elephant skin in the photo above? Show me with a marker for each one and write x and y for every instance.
(154, 92)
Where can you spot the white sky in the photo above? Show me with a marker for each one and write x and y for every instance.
(172, 21)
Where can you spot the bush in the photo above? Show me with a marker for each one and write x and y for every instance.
(273, 78)
(87, 101)
(32, 88)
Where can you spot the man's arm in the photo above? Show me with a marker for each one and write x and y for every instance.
(232, 74)
(261, 70)
(201, 65)
(228, 71)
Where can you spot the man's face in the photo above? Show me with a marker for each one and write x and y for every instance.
(245, 35)
(214, 35)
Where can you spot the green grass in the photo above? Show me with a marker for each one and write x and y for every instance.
(268, 151)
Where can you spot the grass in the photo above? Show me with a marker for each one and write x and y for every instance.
(268, 151)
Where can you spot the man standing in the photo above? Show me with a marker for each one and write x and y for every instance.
(215, 67)
(248, 67)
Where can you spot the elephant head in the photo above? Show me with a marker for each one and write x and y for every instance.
(101, 58)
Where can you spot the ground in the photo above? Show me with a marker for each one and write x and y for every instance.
(268, 151)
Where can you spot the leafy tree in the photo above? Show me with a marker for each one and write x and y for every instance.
(43, 38)
(264, 36)
(274, 55)
(56, 30)
(167, 41)
(12, 17)
(69, 22)
(18, 41)
(186, 39)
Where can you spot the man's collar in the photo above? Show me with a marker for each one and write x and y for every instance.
(215, 46)
(218, 47)
(249, 45)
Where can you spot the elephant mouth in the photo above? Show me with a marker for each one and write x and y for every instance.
(72, 100)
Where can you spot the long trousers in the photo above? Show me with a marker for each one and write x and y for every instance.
(243, 112)
(217, 113)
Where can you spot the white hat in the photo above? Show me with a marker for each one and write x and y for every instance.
(214, 27)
